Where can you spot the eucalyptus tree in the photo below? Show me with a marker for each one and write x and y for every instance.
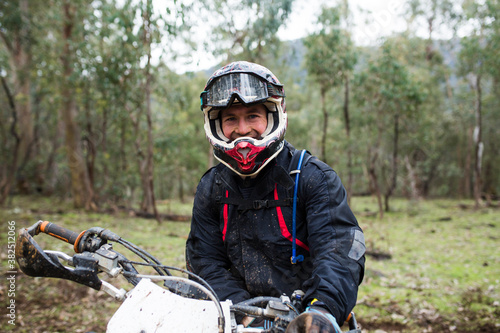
(16, 34)
(425, 146)
(330, 60)
(389, 96)
(16, 25)
(111, 77)
(443, 108)
(180, 138)
(133, 39)
(479, 63)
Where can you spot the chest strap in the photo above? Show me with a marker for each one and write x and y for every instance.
(247, 204)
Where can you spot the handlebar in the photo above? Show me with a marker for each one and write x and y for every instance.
(61, 233)
(87, 240)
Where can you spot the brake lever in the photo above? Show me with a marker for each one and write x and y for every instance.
(61, 255)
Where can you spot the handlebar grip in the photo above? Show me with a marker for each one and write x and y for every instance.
(59, 232)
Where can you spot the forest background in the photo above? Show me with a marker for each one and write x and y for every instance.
(94, 107)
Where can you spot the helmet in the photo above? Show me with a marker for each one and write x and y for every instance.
(246, 83)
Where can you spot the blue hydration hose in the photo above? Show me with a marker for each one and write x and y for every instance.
(295, 258)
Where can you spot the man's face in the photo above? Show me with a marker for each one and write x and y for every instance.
(239, 121)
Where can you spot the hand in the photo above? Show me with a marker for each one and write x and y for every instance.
(314, 320)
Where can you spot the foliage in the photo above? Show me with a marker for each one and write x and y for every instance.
(390, 97)
(423, 83)
(330, 51)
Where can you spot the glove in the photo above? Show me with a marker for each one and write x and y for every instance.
(314, 320)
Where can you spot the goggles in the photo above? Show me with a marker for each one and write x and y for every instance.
(246, 87)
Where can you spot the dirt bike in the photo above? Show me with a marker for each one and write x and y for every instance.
(182, 304)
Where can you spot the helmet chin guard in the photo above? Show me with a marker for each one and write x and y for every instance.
(248, 84)
(247, 159)
(245, 154)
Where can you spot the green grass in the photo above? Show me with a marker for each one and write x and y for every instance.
(437, 269)
(444, 269)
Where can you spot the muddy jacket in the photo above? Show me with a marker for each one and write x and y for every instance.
(241, 235)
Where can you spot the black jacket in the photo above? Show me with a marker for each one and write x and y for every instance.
(240, 239)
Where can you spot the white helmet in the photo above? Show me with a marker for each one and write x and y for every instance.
(246, 83)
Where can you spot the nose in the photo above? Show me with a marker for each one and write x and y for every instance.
(242, 127)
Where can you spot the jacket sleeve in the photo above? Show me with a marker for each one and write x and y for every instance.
(205, 251)
(335, 240)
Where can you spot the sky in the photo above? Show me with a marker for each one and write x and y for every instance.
(371, 20)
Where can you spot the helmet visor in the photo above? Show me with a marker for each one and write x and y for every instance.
(248, 88)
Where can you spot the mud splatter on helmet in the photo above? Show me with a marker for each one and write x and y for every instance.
(246, 83)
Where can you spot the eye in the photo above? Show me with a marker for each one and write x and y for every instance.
(228, 119)
(255, 115)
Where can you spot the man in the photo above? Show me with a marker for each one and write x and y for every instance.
(258, 229)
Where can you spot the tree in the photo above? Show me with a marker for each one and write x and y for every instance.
(146, 157)
(390, 96)
(15, 33)
(479, 61)
(329, 60)
(8, 170)
(81, 187)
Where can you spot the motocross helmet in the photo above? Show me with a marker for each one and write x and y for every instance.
(246, 83)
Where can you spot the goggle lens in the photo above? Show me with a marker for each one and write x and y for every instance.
(248, 88)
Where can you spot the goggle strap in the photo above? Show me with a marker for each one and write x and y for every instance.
(203, 99)
(273, 90)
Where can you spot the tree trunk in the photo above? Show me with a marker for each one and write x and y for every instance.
(325, 124)
(89, 141)
(181, 184)
(374, 188)
(426, 185)
(478, 145)
(8, 171)
(23, 60)
(468, 164)
(488, 172)
(52, 171)
(394, 171)
(17, 42)
(146, 165)
(412, 179)
(348, 138)
(81, 188)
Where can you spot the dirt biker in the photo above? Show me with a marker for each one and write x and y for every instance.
(246, 238)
